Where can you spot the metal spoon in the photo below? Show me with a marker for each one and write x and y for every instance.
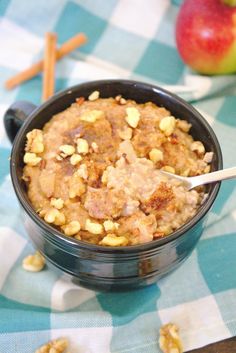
(192, 182)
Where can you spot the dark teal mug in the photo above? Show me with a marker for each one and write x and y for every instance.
(94, 266)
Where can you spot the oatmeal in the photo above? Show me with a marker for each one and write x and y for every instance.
(94, 171)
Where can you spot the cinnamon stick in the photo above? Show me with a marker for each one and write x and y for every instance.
(49, 65)
(67, 47)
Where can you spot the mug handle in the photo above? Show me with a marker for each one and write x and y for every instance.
(15, 117)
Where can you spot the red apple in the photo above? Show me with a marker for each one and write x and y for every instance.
(206, 35)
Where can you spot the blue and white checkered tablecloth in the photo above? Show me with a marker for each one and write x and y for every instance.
(127, 39)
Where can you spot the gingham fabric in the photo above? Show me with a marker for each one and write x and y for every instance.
(127, 39)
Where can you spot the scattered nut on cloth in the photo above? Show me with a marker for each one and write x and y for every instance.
(169, 340)
(33, 263)
(55, 346)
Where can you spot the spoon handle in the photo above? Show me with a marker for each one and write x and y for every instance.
(219, 175)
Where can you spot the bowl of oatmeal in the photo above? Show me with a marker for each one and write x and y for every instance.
(86, 167)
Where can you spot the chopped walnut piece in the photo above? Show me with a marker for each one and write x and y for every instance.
(167, 125)
(132, 117)
(75, 159)
(93, 227)
(123, 101)
(33, 263)
(183, 125)
(208, 157)
(91, 116)
(197, 146)
(31, 159)
(82, 146)
(120, 100)
(169, 340)
(117, 98)
(55, 346)
(71, 228)
(34, 142)
(156, 155)
(94, 96)
(83, 171)
(54, 216)
(67, 150)
(59, 158)
(110, 226)
(113, 240)
(169, 169)
(63, 155)
(57, 203)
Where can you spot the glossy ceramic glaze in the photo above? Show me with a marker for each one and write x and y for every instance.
(98, 267)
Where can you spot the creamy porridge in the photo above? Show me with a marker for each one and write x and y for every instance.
(93, 171)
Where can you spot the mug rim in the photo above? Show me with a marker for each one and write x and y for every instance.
(58, 236)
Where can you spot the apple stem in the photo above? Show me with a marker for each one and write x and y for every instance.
(229, 2)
